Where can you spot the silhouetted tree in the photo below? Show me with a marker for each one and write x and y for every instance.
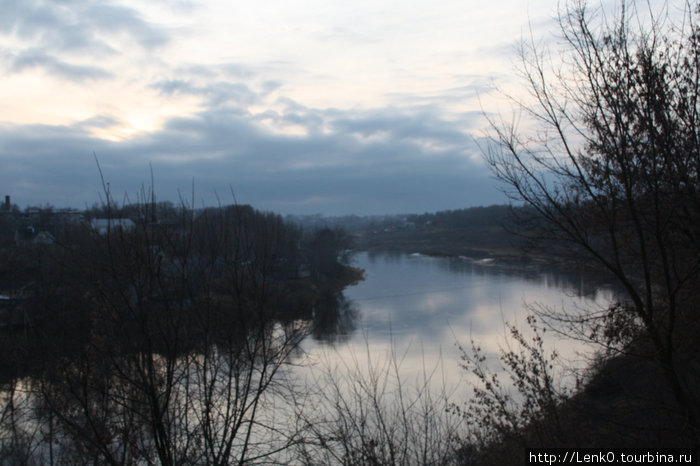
(328, 250)
(610, 161)
(157, 344)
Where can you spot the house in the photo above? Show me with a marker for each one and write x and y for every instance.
(103, 225)
(12, 313)
(28, 236)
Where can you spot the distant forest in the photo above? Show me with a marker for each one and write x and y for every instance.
(498, 231)
(57, 264)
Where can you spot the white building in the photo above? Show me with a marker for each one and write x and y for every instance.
(103, 225)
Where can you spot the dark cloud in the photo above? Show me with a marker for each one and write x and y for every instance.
(218, 71)
(213, 94)
(36, 59)
(412, 156)
(475, 86)
(219, 149)
(270, 86)
(311, 121)
(105, 18)
(218, 85)
(48, 164)
(176, 86)
(51, 28)
(423, 127)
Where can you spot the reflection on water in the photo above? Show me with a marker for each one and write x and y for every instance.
(426, 305)
(384, 340)
(334, 318)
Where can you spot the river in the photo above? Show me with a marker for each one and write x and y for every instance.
(381, 367)
(421, 308)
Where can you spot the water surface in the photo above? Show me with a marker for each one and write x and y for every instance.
(422, 307)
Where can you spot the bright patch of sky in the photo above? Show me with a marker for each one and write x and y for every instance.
(298, 106)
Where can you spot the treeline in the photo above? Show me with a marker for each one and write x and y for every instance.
(148, 333)
(23, 232)
(150, 259)
(608, 157)
(478, 232)
(473, 217)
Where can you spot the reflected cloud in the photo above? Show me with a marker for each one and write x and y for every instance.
(334, 319)
(423, 308)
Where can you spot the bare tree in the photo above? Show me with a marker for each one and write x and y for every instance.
(365, 412)
(610, 164)
(161, 342)
(516, 401)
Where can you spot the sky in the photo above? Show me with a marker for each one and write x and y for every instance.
(296, 106)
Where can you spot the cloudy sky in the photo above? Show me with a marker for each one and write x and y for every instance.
(298, 106)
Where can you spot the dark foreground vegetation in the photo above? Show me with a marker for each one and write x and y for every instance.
(607, 174)
(162, 335)
(612, 172)
(151, 333)
(476, 232)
